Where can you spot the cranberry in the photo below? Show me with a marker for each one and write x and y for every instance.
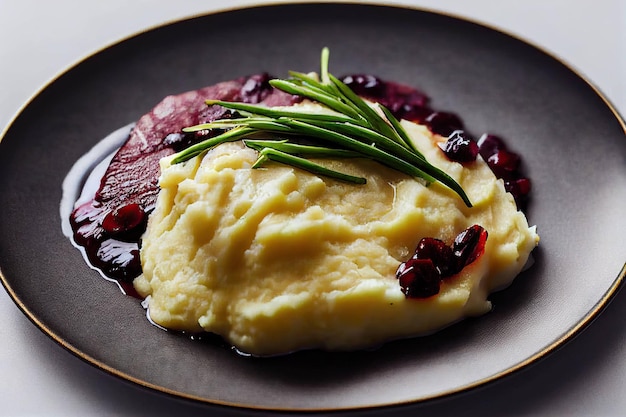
(125, 223)
(365, 85)
(520, 187)
(469, 245)
(501, 160)
(181, 141)
(411, 112)
(438, 252)
(460, 147)
(503, 163)
(443, 123)
(411, 106)
(419, 278)
(413, 97)
(490, 144)
(256, 88)
(434, 261)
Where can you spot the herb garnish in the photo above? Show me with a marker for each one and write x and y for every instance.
(355, 129)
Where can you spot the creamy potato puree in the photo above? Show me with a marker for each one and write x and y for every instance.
(276, 259)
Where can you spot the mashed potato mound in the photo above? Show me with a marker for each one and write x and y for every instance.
(277, 259)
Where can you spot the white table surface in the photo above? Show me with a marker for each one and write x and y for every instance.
(39, 39)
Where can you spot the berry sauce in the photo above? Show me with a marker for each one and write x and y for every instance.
(109, 223)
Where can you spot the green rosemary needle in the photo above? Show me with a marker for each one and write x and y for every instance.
(352, 128)
(285, 158)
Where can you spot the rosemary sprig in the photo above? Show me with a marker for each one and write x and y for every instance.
(353, 128)
(272, 154)
(300, 149)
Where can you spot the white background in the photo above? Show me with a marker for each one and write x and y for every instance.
(39, 39)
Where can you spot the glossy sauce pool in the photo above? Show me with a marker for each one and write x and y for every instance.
(80, 185)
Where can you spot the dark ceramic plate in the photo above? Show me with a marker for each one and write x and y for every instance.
(572, 140)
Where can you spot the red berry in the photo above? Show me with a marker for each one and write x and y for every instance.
(365, 85)
(256, 88)
(419, 278)
(443, 123)
(503, 163)
(413, 113)
(506, 165)
(438, 252)
(460, 147)
(520, 187)
(433, 261)
(125, 222)
(469, 245)
(490, 144)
